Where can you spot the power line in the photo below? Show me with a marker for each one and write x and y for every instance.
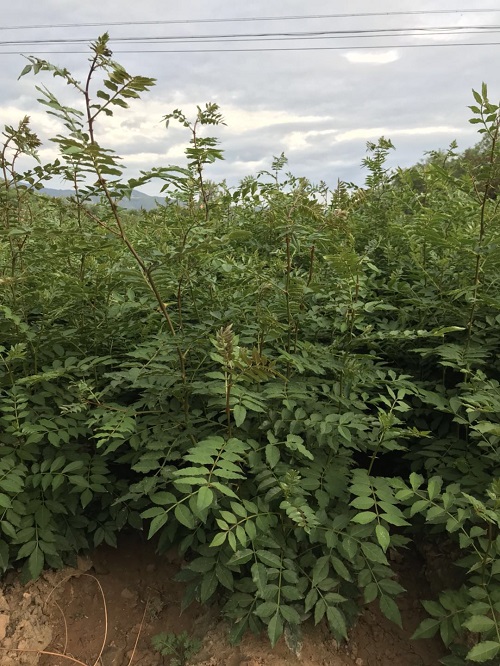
(271, 36)
(242, 19)
(268, 49)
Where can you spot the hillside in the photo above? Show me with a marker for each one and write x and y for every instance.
(138, 201)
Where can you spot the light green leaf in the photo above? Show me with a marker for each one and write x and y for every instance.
(218, 539)
(239, 413)
(362, 502)
(383, 537)
(205, 497)
(364, 517)
(484, 651)
(479, 623)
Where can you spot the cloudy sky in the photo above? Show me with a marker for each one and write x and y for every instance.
(318, 98)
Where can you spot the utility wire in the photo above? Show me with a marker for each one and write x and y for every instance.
(242, 19)
(271, 36)
(259, 49)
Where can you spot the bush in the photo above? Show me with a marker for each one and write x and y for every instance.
(286, 382)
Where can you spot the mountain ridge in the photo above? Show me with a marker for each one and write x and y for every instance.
(138, 201)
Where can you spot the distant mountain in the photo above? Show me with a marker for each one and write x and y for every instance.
(137, 201)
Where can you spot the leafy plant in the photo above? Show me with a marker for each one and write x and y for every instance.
(179, 647)
(285, 382)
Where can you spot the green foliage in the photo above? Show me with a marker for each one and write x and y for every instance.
(179, 647)
(285, 382)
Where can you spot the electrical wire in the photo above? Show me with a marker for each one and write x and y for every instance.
(242, 19)
(270, 49)
(269, 36)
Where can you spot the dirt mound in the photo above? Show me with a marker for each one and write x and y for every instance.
(63, 612)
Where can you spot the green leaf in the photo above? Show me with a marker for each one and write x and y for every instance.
(266, 609)
(239, 413)
(434, 487)
(373, 553)
(289, 614)
(419, 506)
(86, 497)
(427, 628)
(241, 557)
(26, 549)
(291, 593)
(269, 559)
(4, 555)
(157, 523)
(484, 651)
(205, 497)
(11, 484)
(35, 562)
(202, 564)
(163, 498)
(259, 576)
(340, 568)
(275, 629)
(311, 599)
(390, 609)
(218, 539)
(383, 537)
(272, 455)
(477, 97)
(224, 576)
(416, 480)
(370, 592)
(362, 502)
(320, 570)
(319, 611)
(336, 621)
(364, 517)
(208, 586)
(5, 501)
(184, 516)
(26, 70)
(479, 623)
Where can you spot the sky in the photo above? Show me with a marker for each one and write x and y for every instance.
(319, 106)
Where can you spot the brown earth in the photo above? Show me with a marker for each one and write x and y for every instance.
(63, 612)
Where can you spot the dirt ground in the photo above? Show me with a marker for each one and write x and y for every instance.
(63, 612)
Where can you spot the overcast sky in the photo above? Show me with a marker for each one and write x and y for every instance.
(319, 107)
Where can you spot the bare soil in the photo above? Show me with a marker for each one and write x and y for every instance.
(63, 612)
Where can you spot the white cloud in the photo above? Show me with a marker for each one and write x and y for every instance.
(375, 132)
(241, 120)
(372, 57)
(311, 104)
(40, 122)
(300, 140)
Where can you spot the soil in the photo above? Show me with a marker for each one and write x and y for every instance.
(63, 612)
